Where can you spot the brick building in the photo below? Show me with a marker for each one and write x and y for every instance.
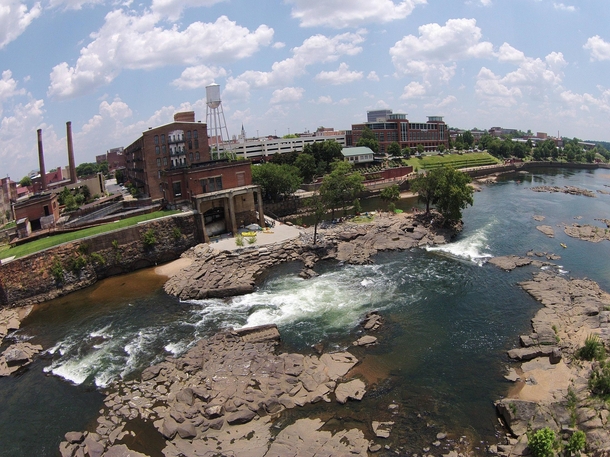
(114, 157)
(397, 128)
(172, 164)
(8, 196)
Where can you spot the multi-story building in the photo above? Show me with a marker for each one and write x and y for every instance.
(114, 157)
(397, 128)
(172, 164)
(8, 196)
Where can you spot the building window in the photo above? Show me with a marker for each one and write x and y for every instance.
(195, 134)
(241, 178)
(211, 184)
(177, 189)
(197, 156)
(196, 143)
(190, 156)
(190, 144)
(162, 138)
(165, 161)
(163, 149)
(158, 162)
(188, 135)
(157, 150)
(156, 139)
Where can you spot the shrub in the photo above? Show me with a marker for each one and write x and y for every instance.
(576, 443)
(177, 233)
(96, 257)
(542, 443)
(84, 249)
(593, 349)
(251, 239)
(149, 239)
(115, 244)
(76, 264)
(599, 382)
(57, 270)
(239, 240)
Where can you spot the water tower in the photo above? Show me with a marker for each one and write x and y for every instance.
(215, 119)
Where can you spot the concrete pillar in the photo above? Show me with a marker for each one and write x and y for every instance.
(259, 202)
(232, 215)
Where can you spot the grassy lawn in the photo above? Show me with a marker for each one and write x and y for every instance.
(54, 240)
(470, 159)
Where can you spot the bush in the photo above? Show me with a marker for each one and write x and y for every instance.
(239, 240)
(542, 443)
(96, 257)
(77, 263)
(57, 270)
(599, 382)
(576, 443)
(176, 233)
(593, 349)
(251, 239)
(149, 239)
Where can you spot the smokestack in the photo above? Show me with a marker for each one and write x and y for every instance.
(43, 173)
(70, 153)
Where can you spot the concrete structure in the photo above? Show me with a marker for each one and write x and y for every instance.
(114, 157)
(42, 211)
(8, 196)
(262, 149)
(215, 119)
(228, 210)
(357, 155)
(397, 128)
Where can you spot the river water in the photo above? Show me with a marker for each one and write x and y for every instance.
(449, 319)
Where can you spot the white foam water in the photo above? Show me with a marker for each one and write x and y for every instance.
(471, 248)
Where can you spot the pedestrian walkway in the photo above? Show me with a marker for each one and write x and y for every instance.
(281, 232)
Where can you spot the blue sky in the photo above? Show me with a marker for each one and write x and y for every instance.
(114, 68)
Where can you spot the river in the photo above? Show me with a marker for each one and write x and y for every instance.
(449, 319)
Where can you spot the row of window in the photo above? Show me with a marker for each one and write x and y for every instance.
(212, 184)
(178, 161)
(176, 137)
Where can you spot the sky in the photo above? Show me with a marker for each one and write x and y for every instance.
(114, 68)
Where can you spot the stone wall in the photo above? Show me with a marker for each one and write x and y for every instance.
(63, 269)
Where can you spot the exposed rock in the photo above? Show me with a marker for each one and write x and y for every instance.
(547, 230)
(565, 190)
(372, 321)
(354, 390)
(366, 340)
(589, 233)
(17, 356)
(122, 451)
(382, 429)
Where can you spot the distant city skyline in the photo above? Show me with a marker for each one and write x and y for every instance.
(287, 66)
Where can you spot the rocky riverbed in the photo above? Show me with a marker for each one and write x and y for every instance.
(20, 353)
(227, 273)
(551, 382)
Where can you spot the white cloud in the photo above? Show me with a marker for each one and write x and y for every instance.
(492, 89)
(278, 45)
(323, 100)
(599, 49)
(198, 77)
(14, 19)
(486, 2)
(172, 9)
(73, 4)
(350, 13)
(510, 55)
(413, 90)
(315, 49)
(433, 53)
(287, 95)
(136, 42)
(584, 102)
(8, 88)
(562, 7)
(372, 76)
(341, 76)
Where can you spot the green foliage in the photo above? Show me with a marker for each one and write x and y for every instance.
(76, 264)
(369, 140)
(317, 206)
(420, 148)
(97, 258)
(275, 180)
(26, 181)
(542, 443)
(84, 248)
(306, 163)
(599, 382)
(57, 270)
(176, 233)
(324, 153)
(341, 186)
(357, 206)
(392, 207)
(390, 194)
(239, 240)
(251, 239)
(593, 349)
(394, 149)
(115, 244)
(149, 239)
(91, 168)
(576, 443)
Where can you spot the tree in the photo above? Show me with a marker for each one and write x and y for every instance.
(441, 148)
(542, 443)
(420, 148)
(390, 194)
(340, 186)
(318, 208)
(276, 180)
(325, 153)
(447, 189)
(26, 181)
(306, 163)
(368, 139)
(394, 149)
(468, 138)
(86, 169)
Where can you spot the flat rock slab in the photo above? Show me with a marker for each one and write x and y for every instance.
(354, 390)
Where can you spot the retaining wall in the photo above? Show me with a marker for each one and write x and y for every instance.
(72, 266)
